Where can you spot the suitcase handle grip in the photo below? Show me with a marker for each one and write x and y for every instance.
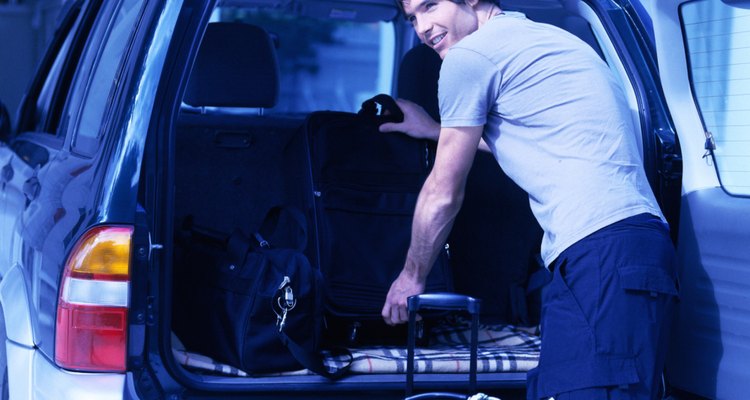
(443, 301)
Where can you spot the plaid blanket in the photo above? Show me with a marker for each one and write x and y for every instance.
(502, 348)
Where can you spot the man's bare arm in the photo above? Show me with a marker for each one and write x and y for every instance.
(437, 206)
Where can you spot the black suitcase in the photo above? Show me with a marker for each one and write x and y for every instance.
(366, 185)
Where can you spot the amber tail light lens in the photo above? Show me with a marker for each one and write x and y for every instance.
(92, 311)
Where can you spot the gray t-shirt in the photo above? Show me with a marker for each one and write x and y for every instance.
(555, 119)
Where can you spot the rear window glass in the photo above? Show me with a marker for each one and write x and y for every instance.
(325, 64)
(718, 44)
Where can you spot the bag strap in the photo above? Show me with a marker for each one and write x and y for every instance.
(283, 223)
(539, 277)
(279, 224)
(314, 361)
(238, 245)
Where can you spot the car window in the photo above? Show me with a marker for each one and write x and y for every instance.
(717, 41)
(97, 76)
(325, 64)
(44, 101)
(40, 110)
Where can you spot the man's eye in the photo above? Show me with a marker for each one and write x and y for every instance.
(411, 18)
(429, 5)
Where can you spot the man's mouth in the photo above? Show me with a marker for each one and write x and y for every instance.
(434, 41)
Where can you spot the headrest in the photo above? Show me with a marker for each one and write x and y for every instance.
(418, 78)
(236, 66)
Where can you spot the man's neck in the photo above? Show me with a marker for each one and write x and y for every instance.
(486, 11)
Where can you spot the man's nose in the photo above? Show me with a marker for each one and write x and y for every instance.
(423, 28)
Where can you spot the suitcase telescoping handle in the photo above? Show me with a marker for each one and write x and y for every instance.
(442, 301)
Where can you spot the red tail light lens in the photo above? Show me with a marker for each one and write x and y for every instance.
(92, 311)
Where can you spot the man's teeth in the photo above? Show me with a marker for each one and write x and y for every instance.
(437, 39)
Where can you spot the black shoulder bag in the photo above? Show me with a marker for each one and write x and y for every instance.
(266, 302)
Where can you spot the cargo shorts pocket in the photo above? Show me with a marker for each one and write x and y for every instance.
(650, 288)
(633, 316)
(651, 280)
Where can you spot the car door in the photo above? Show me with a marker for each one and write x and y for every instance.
(703, 55)
(18, 158)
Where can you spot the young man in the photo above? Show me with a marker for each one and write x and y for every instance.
(554, 117)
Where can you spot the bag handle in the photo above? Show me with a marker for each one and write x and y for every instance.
(389, 109)
(280, 224)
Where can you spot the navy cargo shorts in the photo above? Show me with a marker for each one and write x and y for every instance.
(606, 315)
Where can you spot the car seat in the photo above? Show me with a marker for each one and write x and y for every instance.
(236, 66)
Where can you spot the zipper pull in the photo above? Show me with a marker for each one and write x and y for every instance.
(710, 144)
(284, 282)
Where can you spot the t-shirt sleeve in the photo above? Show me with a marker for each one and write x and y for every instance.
(467, 89)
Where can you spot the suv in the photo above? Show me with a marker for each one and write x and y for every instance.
(135, 123)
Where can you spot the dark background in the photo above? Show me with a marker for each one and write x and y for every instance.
(25, 29)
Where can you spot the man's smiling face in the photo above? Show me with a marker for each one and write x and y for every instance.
(441, 23)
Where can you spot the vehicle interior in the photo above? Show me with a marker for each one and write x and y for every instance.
(241, 146)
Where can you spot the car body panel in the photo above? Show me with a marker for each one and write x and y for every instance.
(15, 301)
(709, 347)
(711, 335)
(36, 377)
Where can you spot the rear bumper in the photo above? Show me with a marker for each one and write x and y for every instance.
(33, 376)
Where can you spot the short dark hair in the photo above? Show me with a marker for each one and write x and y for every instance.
(400, 3)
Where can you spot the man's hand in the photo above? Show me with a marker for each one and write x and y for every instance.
(395, 309)
(417, 123)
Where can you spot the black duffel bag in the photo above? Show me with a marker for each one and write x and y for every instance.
(261, 309)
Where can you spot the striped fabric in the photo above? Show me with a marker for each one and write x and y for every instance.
(502, 348)
(205, 364)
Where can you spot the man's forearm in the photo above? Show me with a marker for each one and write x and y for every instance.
(433, 218)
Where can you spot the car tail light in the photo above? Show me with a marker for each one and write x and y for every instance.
(92, 312)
